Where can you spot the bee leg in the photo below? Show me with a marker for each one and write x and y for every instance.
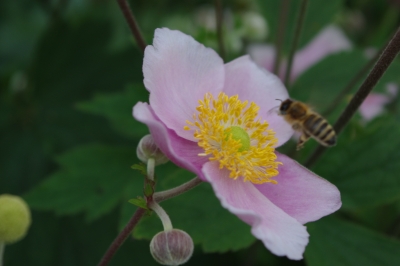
(303, 138)
(296, 127)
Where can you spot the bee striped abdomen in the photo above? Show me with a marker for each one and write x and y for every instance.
(320, 129)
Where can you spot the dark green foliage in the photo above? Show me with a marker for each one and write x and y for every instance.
(319, 14)
(92, 180)
(364, 165)
(69, 77)
(337, 242)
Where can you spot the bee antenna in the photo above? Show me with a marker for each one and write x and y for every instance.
(279, 100)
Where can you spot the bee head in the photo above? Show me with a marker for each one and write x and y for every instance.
(285, 106)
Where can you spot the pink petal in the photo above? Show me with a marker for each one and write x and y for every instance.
(301, 193)
(373, 105)
(263, 55)
(180, 151)
(178, 71)
(280, 233)
(330, 40)
(244, 78)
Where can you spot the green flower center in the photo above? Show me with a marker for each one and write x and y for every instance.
(239, 134)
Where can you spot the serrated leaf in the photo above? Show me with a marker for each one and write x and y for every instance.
(198, 212)
(92, 179)
(40, 120)
(140, 202)
(337, 242)
(364, 165)
(71, 65)
(117, 108)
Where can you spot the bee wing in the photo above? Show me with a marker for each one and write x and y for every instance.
(274, 110)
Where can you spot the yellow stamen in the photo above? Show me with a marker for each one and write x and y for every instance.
(227, 129)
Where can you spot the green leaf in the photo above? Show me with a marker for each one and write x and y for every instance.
(141, 167)
(391, 75)
(319, 14)
(92, 179)
(148, 189)
(364, 165)
(198, 212)
(337, 242)
(322, 82)
(140, 202)
(117, 108)
(69, 66)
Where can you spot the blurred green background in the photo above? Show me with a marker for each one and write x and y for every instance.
(70, 73)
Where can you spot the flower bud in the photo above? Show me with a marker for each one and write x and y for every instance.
(147, 149)
(15, 218)
(172, 247)
(254, 26)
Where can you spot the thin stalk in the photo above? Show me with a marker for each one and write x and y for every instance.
(2, 247)
(219, 19)
(280, 34)
(151, 163)
(120, 239)
(166, 221)
(157, 197)
(133, 25)
(176, 191)
(363, 71)
(296, 38)
(389, 54)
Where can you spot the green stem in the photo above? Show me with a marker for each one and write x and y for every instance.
(151, 163)
(219, 19)
(166, 221)
(2, 247)
(299, 26)
(167, 194)
(280, 35)
(157, 197)
(351, 84)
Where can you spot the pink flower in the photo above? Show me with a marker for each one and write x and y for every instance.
(214, 120)
(329, 41)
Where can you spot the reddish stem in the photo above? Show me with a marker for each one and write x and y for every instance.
(120, 239)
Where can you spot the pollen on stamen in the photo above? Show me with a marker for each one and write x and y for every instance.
(229, 132)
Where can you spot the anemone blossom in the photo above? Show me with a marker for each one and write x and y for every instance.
(213, 119)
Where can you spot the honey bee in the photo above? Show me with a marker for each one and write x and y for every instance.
(309, 123)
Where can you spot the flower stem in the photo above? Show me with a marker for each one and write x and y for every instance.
(280, 35)
(389, 54)
(2, 246)
(150, 168)
(120, 239)
(219, 19)
(299, 26)
(166, 221)
(157, 197)
(361, 73)
(167, 194)
(133, 26)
